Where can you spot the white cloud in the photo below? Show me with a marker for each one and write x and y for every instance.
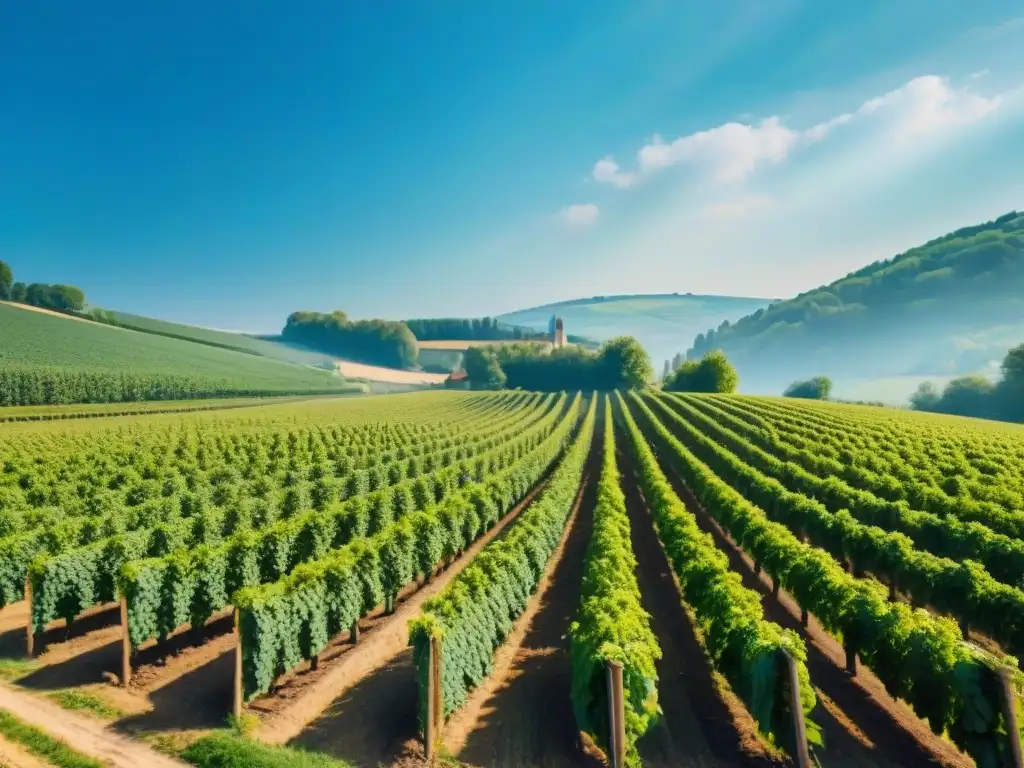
(607, 170)
(737, 208)
(731, 152)
(579, 216)
(979, 74)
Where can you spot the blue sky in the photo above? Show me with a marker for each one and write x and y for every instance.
(227, 163)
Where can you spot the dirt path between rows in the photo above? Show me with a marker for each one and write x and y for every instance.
(702, 724)
(864, 726)
(81, 732)
(522, 715)
(372, 685)
(13, 755)
(375, 722)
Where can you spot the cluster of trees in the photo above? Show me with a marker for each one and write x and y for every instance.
(898, 316)
(712, 373)
(620, 363)
(464, 328)
(61, 298)
(376, 342)
(817, 388)
(978, 396)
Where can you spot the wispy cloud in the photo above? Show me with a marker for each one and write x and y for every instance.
(738, 207)
(731, 152)
(580, 216)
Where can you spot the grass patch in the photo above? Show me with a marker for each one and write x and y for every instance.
(13, 669)
(226, 750)
(83, 701)
(43, 745)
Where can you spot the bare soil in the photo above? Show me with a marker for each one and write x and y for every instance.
(82, 733)
(301, 697)
(522, 714)
(864, 726)
(704, 723)
(392, 375)
(375, 721)
(12, 755)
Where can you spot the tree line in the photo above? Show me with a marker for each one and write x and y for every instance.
(377, 342)
(976, 395)
(895, 316)
(465, 328)
(59, 297)
(620, 363)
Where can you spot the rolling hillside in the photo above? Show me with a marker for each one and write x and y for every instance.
(664, 323)
(953, 305)
(47, 358)
(225, 339)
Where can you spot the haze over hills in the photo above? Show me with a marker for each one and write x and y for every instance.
(953, 305)
(663, 323)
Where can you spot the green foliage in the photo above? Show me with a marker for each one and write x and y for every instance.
(977, 396)
(818, 388)
(294, 618)
(460, 328)
(379, 342)
(611, 624)
(51, 360)
(905, 315)
(474, 613)
(221, 749)
(857, 527)
(42, 745)
(742, 644)
(6, 281)
(79, 700)
(918, 657)
(482, 366)
(713, 373)
(532, 365)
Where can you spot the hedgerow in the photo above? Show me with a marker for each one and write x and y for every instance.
(611, 624)
(740, 642)
(961, 588)
(475, 612)
(187, 588)
(67, 583)
(918, 657)
(293, 619)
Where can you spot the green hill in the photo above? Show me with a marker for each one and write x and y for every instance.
(663, 323)
(953, 305)
(46, 358)
(225, 339)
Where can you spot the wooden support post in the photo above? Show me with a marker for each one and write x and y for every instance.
(354, 632)
(803, 617)
(30, 633)
(126, 645)
(851, 660)
(238, 701)
(892, 590)
(616, 715)
(435, 711)
(801, 752)
(1010, 716)
(757, 567)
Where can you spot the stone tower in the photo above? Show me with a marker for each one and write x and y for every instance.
(558, 338)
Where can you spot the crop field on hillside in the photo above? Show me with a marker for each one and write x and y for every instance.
(239, 341)
(774, 578)
(46, 359)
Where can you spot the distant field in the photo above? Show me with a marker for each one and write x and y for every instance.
(665, 324)
(390, 375)
(30, 339)
(239, 341)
